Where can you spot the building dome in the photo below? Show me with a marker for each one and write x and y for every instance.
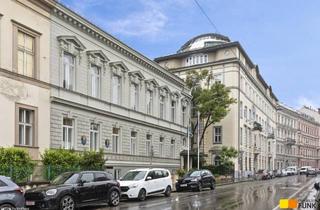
(204, 40)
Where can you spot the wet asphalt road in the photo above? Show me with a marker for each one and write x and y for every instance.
(260, 195)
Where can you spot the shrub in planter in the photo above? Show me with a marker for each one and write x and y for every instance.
(16, 163)
(91, 160)
(57, 161)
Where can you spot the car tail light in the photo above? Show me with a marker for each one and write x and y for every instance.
(20, 190)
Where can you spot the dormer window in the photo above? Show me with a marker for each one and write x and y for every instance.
(196, 59)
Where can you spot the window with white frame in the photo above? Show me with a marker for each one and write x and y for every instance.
(196, 59)
(26, 127)
(217, 135)
(173, 110)
(134, 96)
(95, 80)
(161, 142)
(115, 140)
(94, 136)
(133, 143)
(148, 145)
(149, 101)
(116, 89)
(68, 71)
(162, 107)
(26, 54)
(68, 135)
(172, 148)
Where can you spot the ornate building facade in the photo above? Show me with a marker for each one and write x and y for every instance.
(249, 126)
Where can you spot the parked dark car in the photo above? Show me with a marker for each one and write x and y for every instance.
(11, 195)
(196, 180)
(311, 172)
(75, 189)
(262, 174)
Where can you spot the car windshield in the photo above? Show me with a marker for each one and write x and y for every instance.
(194, 174)
(133, 176)
(66, 178)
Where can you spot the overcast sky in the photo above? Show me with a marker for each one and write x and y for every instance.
(281, 36)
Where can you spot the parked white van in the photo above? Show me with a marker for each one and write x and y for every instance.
(140, 183)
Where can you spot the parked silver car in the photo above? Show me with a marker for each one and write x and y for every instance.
(11, 195)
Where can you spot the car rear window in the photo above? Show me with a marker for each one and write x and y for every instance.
(100, 177)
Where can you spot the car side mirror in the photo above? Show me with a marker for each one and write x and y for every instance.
(148, 178)
(81, 182)
(316, 186)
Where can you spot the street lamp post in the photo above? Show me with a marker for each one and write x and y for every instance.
(198, 142)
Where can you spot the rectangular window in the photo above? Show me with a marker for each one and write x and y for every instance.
(148, 145)
(68, 71)
(184, 112)
(115, 140)
(95, 81)
(241, 133)
(67, 133)
(94, 137)
(26, 127)
(116, 89)
(161, 142)
(149, 101)
(217, 135)
(133, 142)
(172, 148)
(134, 96)
(26, 54)
(173, 111)
(162, 107)
(241, 109)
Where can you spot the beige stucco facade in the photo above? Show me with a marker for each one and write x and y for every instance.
(19, 92)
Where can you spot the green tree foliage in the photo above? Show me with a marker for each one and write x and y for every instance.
(16, 163)
(211, 100)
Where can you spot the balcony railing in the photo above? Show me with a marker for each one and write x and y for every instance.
(257, 126)
(290, 141)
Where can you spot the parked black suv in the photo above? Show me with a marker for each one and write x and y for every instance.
(75, 189)
(196, 180)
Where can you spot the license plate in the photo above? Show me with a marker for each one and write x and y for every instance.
(30, 203)
(183, 185)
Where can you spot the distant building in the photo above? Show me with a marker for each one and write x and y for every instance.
(250, 125)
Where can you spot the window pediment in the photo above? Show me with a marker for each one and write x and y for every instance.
(98, 56)
(119, 65)
(136, 76)
(175, 95)
(71, 44)
(185, 102)
(151, 84)
(164, 90)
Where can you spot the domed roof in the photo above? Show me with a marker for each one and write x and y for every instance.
(204, 40)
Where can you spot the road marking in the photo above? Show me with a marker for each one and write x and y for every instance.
(294, 194)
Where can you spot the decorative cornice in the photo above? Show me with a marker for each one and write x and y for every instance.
(94, 31)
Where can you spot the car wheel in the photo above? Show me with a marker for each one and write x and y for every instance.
(212, 186)
(114, 198)
(67, 203)
(142, 195)
(167, 193)
(6, 207)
